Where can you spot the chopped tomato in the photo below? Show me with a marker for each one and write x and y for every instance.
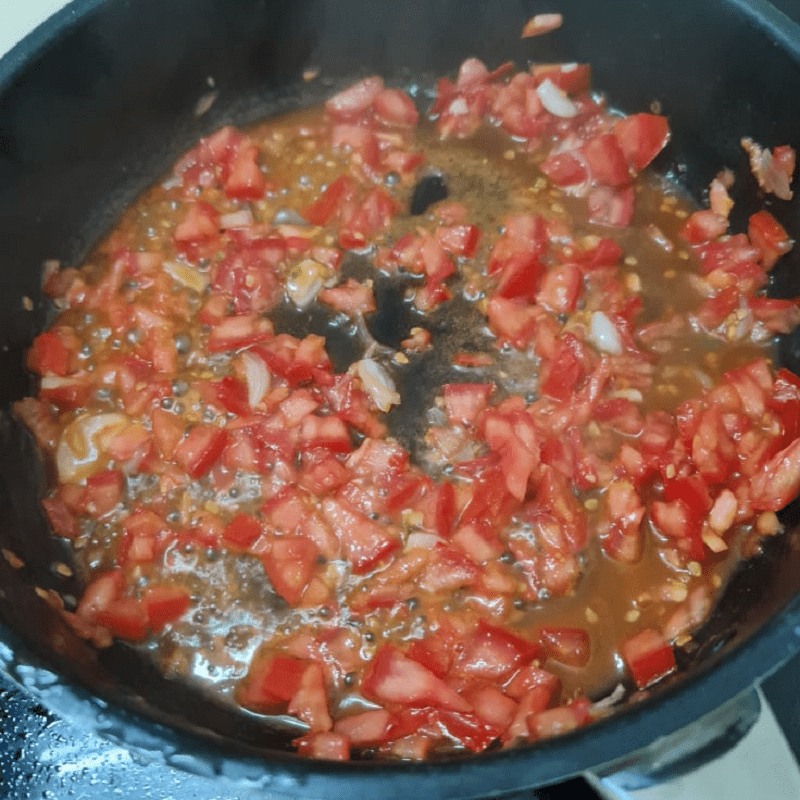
(289, 564)
(769, 236)
(354, 100)
(394, 678)
(124, 617)
(395, 107)
(325, 745)
(568, 645)
(492, 653)
(649, 657)
(164, 604)
(642, 137)
(271, 683)
(242, 531)
(199, 451)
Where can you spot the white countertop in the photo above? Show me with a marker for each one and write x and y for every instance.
(19, 17)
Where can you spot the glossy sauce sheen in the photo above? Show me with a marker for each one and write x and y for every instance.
(234, 611)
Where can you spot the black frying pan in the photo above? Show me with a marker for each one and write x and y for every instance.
(97, 103)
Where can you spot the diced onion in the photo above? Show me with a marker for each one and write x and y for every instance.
(242, 218)
(304, 282)
(378, 384)
(604, 334)
(187, 276)
(257, 377)
(555, 100)
(80, 452)
(421, 539)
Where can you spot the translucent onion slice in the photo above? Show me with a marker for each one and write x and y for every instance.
(555, 100)
(81, 449)
(236, 219)
(378, 383)
(304, 282)
(257, 377)
(421, 539)
(604, 334)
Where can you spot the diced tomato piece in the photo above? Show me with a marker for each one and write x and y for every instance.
(246, 181)
(778, 481)
(243, 330)
(492, 653)
(324, 745)
(448, 570)
(271, 683)
(563, 375)
(232, 393)
(48, 355)
(323, 209)
(434, 653)
(703, 226)
(465, 402)
(565, 169)
(642, 137)
(167, 431)
(460, 240)
(553, 722)
(492, 706)
(606, 161)
(310, 701)
(394, 678)
(355, 100)
(365, 542)
(520, 276)
(350, 297)
(769, 236)
(649, 657)
(372, 216)
(610, 207)
(367, 727)
(570, 646)
(561, 288)
(199, 451)
(289, 564)
(198, 231)
(124, 617)
(164, 604)
(103, 492)
(242, 531)
(395, 107)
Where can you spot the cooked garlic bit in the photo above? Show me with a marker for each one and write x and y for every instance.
(378, 383)
(304, 282)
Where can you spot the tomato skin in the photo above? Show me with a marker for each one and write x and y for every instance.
(199, 451)
(232, 393)
(649, 657)
(164, 604)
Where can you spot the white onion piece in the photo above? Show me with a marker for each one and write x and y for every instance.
(243, 218)
(186, 276)
(604, 334)
(612, 699)
(421, 539)
(555, 100)
(81, 449)
(257, 377)
(304, 282)
(378, 384)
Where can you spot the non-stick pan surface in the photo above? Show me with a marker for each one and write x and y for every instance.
(97, 103)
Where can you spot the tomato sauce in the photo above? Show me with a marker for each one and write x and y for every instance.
(427, 481)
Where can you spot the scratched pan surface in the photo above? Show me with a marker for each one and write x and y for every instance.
(95, 106)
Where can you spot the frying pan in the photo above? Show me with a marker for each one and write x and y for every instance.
(96, 104)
